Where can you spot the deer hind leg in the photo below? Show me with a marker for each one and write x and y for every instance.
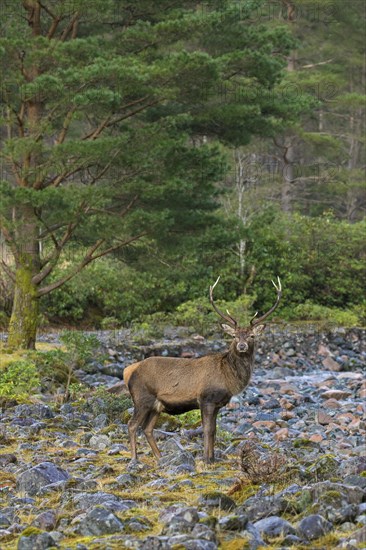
(148, 427)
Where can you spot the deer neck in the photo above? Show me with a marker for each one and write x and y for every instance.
(238, 368)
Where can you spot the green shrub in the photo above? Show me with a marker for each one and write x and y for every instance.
(314, 312)
(109, 323)
(103, 402)
(80, 347)
(321, 262)
(52, 367)
(19, 379)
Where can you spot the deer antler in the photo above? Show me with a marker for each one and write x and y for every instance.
(255, 321)
(228, 318)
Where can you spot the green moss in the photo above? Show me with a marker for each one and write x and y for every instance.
(302, 442)
(24, 318)
(304, 501)
(331, 496)
(29, 531)
(235, 544)
(323, 468)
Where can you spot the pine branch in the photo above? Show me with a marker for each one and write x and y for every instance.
(70, 27)
(66, 124)
(109, 122)
(88, 258)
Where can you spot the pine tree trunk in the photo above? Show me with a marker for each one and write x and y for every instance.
(24, 317)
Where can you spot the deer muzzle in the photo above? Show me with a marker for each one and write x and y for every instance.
(242, 347)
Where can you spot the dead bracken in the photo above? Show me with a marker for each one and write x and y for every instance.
(259, 466)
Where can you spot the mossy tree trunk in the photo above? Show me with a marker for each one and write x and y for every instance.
(24, 317)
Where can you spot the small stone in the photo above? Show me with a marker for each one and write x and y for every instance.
(7, 458)
(271, 404)
(269, 424)
(323, 350)
(99, 442)
(316, 438)
(274, 526)
(287, 415)
(281, 434)
(331, 364)
(323, 418)
(314, 526)
(285, 404)
(336, 394)
(332, 404)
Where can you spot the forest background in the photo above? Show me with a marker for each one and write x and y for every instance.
(148, 147)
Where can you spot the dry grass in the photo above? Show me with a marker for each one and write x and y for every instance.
(260, 466)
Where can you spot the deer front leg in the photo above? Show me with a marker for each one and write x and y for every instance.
(209, 414)
(139, 417)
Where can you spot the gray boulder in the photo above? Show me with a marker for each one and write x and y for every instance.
(33, 411)
(40, 541)
(274, 526)
(353, 466)
(45, 473)
(4, 521)
(85, 501)
(180, 458)
(199, 544)
(261, 507)
(336, 494)
(46, 520)
(176, 512)
(233, 522)
(313, 527)
(216, 499)
(99, 442)
(100, 522)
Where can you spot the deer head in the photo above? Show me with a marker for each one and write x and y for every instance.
(243, 337)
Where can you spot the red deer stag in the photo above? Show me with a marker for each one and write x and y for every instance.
(177, 385)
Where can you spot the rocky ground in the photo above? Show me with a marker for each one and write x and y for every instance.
(291, 468)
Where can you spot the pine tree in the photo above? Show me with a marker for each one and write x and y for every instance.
(109, 116)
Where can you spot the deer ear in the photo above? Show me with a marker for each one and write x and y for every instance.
(258, 329)
(228, 329)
